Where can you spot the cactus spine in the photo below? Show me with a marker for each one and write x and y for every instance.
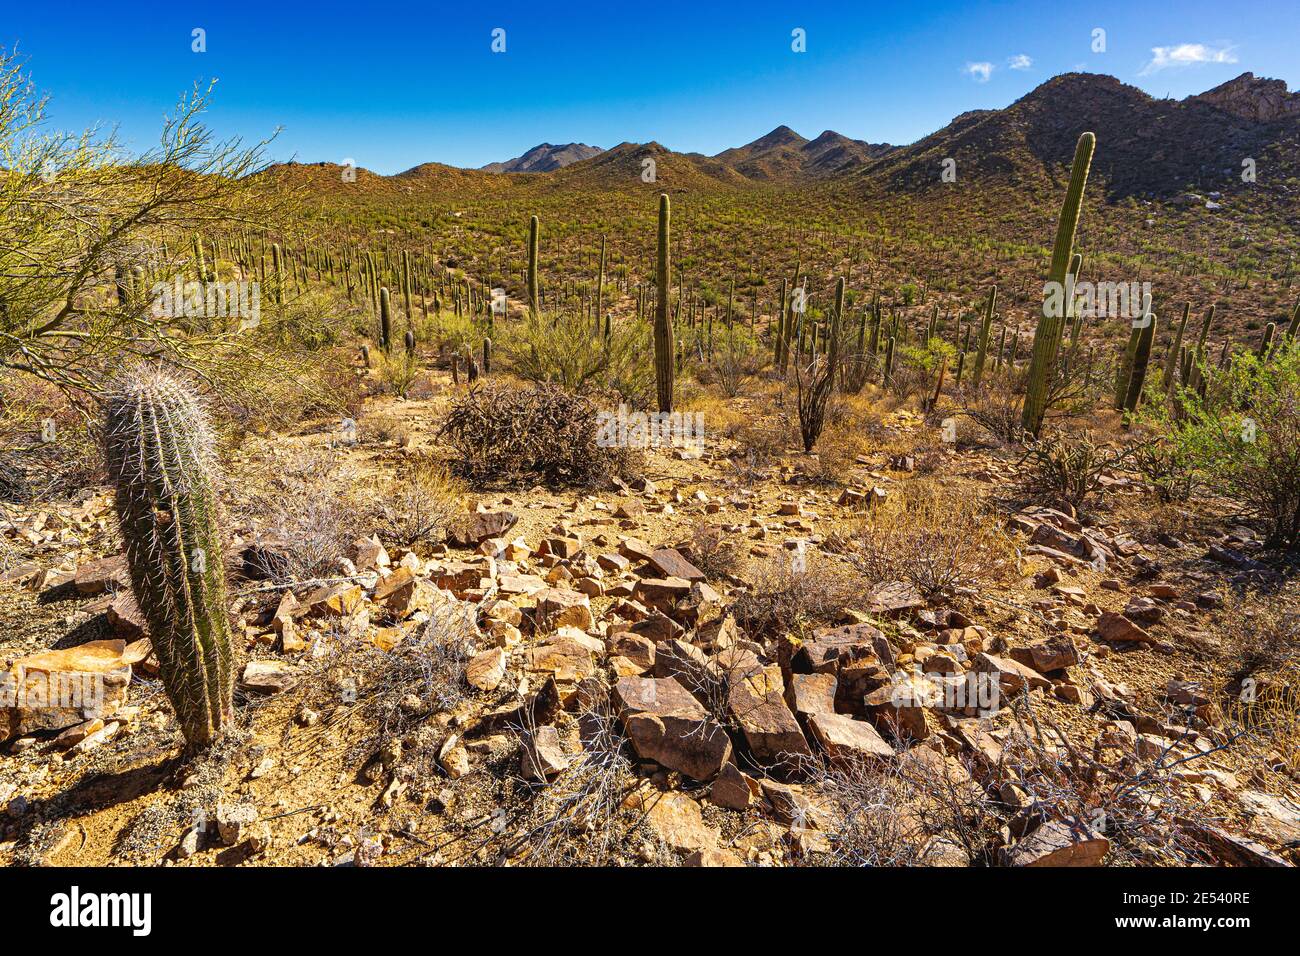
(533, 304)
(1042, 364)
(159, 451)
(663, 325)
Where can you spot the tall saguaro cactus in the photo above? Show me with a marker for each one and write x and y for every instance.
(159, 450)
(663, 324)
(533, 305)
(1047, 336)
(986, 328)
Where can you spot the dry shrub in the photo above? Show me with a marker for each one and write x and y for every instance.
(838, 449)
(415, 505)
(782, 599)
(302, 501)
(904, 813)
(48, 448)
(760, 443)
(515, 437)
(1271, 711)
(997, 405)
(1067, 468)
(943, 543)
(711, 550)
(396, 371)
(1136, 800)
(1259, 631)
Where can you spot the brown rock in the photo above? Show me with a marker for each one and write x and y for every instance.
(672, 564)
(757, 704)
(668, 725)
(469, 530)
(106, 574)
(1058, 843)
(846, 740)
(1116, 627)
(486, 670)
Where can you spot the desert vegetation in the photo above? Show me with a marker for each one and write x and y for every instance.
(561, 518)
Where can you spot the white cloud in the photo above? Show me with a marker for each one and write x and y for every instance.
(1020, 62)
(979, 72)
(1186, 54)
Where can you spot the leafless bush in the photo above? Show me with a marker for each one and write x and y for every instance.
(760, 442)
(1067, 468)
(784, 599)
(302, 502)
(996, 405)
(1131, 797)
(513, 437)
(711, 550)
(905, 813)
(943, 544)
(1259, 631)
(737, 357)
(814, 388)
(414, 506)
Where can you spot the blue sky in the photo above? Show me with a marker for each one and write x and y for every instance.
(393, 84)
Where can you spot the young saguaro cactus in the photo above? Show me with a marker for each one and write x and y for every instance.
(159, 450)
(986, 329)
(1042, 364)
(385, 321)
(533, 304)
(663, 324)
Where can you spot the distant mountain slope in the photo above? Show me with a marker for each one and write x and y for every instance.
(784, 154)
(545, 158)
(1145, 146)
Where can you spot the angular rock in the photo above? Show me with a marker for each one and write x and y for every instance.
(470, 530)
(486, 670)
(757, 704)
(669, 726)
(1058, 843)
(846, 740)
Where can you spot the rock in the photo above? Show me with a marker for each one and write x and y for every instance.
(1116, 627)
(1012, 675)
(486, 670)
(335, 600)
(1143, 610)
(560, 607)
(268, 676)
(757, 704)
(234, 820)
(662, 594)
(565, 659)
(54, 690)
(1275, 819)
(846, 740)
(543, 754)
(470, 530)
(635, 648)
(669, 726)
(1058, 843)
(106, 574)
(1054, 652)
(812, 694)
(894, 599)
(672, 564)
(733, 789)
(713, 857)
(369, 555)
(126, 617)
(677, 820)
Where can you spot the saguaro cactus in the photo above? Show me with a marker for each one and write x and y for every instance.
(663, 325)
(1141, 357)
(385, 321)
(159, 450)
(986, 329)
(1042, 364)
(533, 304)
(1176, 350)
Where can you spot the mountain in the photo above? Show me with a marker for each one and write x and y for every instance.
(545, 158)
(784, 154)
(1146, 147)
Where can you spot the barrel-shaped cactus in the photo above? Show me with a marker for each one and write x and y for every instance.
(1047, 336)
(159, 450)
(663, 331)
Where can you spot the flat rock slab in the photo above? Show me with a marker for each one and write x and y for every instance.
(669, 726)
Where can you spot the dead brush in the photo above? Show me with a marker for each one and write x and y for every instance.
(760, 443)
(577, 818)
(1133, 798)
(1259, 630)
(1271, 712)
(1069, 468)
(304, 502)
(944, 543)
(521, 436)
(782, 599)
(904, 813)
(414, 506)
(711, 550)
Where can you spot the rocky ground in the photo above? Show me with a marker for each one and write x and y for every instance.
(579, 677)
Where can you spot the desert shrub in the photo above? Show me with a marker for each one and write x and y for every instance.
(447, 334)
(1259, 631)
(414, 506)
(942, 543)
(303, 502)
(996, 405)
(514, 436)
(396, 371)
(1248, 439)
(784, 598)
(760, 443)
(565, 351)
(1067, 468)
(904, 813)
(47, 448)
(737, 356)
(712, 550)
(1169, 467)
